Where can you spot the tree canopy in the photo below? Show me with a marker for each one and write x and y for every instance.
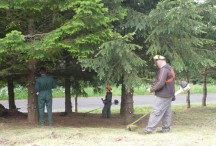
(116, 39)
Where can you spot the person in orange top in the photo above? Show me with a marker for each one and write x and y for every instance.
(107, 103)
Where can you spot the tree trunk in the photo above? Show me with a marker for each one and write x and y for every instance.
(204, 87)
(188, 95)
(32, 98)
(188, 100)
(122, 101)
(127, 104)
(68, 106)
(76, 89)
(11, 93)
(76, 103)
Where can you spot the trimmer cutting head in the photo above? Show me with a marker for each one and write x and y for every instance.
(131, 127)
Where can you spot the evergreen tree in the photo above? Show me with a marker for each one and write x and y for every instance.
(78, 27)
(117, 62)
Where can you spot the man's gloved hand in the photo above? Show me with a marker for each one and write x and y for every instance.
(102, 100)
(173, 99)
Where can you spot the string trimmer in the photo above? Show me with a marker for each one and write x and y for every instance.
(184, 87)
(115, 102)
(132, 126)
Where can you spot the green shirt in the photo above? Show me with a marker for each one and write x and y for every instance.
(44, 83)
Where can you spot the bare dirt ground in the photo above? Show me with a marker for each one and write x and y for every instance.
(15, 118)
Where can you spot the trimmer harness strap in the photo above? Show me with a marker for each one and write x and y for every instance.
(171, 78)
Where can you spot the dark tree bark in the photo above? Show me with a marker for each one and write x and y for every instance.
(188, 100)
(126, 104)
(76, 88)
(11, 93)
(32, 98)
(204, 87)
(76, 103)
(68, 106)
(122, 111)
(188, 95)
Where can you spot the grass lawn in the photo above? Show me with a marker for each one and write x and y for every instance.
(190, 127)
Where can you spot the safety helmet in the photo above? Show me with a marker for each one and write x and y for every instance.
(109, 88)
(159, 57)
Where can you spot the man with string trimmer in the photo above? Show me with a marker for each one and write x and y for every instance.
(164, 89)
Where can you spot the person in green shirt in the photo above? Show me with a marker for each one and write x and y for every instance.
(43, 86)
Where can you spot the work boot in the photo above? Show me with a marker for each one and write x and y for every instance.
(164, 130)
(51, 124)
(148, 132)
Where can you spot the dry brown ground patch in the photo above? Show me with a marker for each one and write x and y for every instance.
(76, 120)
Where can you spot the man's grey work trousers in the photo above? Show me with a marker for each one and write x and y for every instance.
(161, 111)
